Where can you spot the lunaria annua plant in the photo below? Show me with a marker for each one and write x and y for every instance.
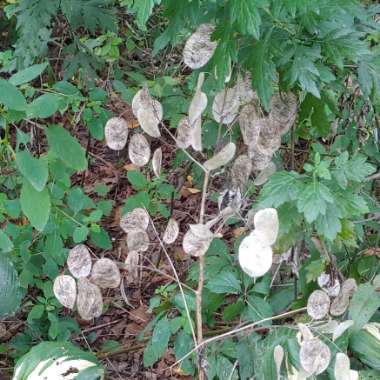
(116, 133)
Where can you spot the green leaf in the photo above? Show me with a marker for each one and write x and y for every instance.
(366, 347)
(137, 180)
(6, 244)
(10, 291)
(247, 16)
(66, 147)
(11, 97)
(80, 234)
(44, 106)
(28, 74)
(35, 205)
(35, 170)
(36, 312)
(101, 239)
(258, 309)
(224, 282)
(363, 306)
(143, 9)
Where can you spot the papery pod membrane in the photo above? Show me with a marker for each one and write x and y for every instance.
(157, 162)
(105, 273)
(340, 304)
(89, 300)
(138, 240)
(198, 103)
(65, 290)
(57, 361)
(171, 232)
(240, 172)
(199, 48)
(267, 225)
(278, 354)
(342, 369)
(329, 285)
(116, 133)
(255, 258)
(132, 264)
(260, 158)
(250, 124)
(245, 91)
(223, 157)
(149, 122)
(79, 261)
(315, 356)
(270, 145)
(225, 107)
(197, 240)
(318, 304)
(283, 111)
(196, 135)
(137, 219)
(184, 133)
(139, 150)
(341, 328)
(264, 174)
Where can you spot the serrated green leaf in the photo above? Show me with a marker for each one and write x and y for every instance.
(28, 74)
(44, 106)
(137, 180)
(11, 97)
(6, 244)
(247, 16)
(224, 282)
(80, 234)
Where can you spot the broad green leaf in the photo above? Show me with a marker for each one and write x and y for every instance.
(80, 234)
(10, 291)
(247, 16)
(11, 97)
(28, 74)
(159, 342)
(224, 282)
(366, 347)
(101, 239)
(44, 106)
(363, 306)
(257, 309)
(66, 147)
(35, 205)
(35, 170)
(6, 244)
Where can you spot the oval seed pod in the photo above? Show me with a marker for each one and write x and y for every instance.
(139, 150)
(225, 107)
(89, 301)
(278, 354)
(198, 103)
(199, 48)
(250, 124)
(137, 219)
(283, 111)
(197, 240)
(157, 162)
(79, 261)
(269, 145)
(138, 240)
(255, 258)
(244, 88)
(315, 356)
(149, 122)
(260, 157)
(318, 304)
(184, 133)
(171, 232)
(341, 328)
(342, 369)
(240, 172)
(116, 133)
(340, 304)
(329, 285)
(105, 274)
(267, 225)
(65, 290)
(264, 174)
(223, 157)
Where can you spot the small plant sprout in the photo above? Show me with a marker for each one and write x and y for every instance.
(116, 133)
(318, 304)
(223, 157)
(89, 301)
(105, 274)
(79, 261)
(171, 232)
(342, 369)
(197, 240)
(199, 48)
(137, 219)
(157, 162)
(138, 240)
(65, 290)
(139, 150)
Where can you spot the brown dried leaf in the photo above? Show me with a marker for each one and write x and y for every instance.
(137, 219)
(171, 232)
(225, 107)
(139, 150)
(199, 48)
(315, 356)
(65, 290)
(79, 261)
(318, 304)
(138, 240)
(197, 240)
(157, 161)
(105, 274)
(116, 133)
(90, 300)
(223, 157)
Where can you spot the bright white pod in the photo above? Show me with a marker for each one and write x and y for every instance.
(79, 261)
(315, 356)
(116, 133)
(225, 107)
(138, 240)
(157, 162)
(198, 103)
(105, 274)
(342, 328)
(139, 150)
(223, 157)
(318, 304)
(149, 122)
(137, 219)
(65, 290)
(342, 369)
(266, 225)
(255, 258)
(89, 300)
(278, 355)
(197, 240)
(171, 232)
(199, 48)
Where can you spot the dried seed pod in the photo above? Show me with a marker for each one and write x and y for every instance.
(65, 290)
(116, 133)
(329, 285)
(255, 258)
(105, 274)
(341, 328)
(223, 157)
(315, 356)
(132, 263)
(318, 304)
(171, 232)
(267, 225)
(90, 300)
(264, 174)
(225, 107)
(269, 145)
(342, 369)
(137, 219)
(138, 240)
(349, 287)
(244, 88)
(157, 162)
(260, 157)
(139, 150)
(184, 133)
(199, 48)
(283, 111)
(79, 261)
(250, 124)
(197, 240)
(198, 103)
(339, 305)
(149, 122)
(196, 135)
(304, 333)
(278, 354)
(240, 172)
